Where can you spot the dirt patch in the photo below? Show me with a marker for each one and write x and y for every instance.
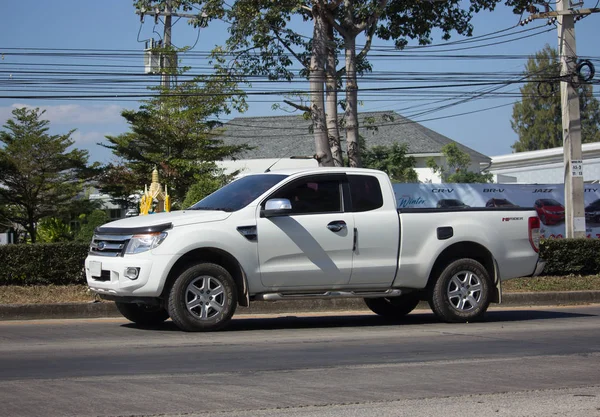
(49, 294)
(80, 294)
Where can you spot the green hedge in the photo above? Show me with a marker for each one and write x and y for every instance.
(571, 256)
(63, 263)
(43, 264)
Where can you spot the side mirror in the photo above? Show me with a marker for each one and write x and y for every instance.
(276, 207)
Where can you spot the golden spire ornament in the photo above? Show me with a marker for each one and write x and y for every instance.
(155, 194)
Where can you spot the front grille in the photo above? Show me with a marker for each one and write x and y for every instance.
(109, 245)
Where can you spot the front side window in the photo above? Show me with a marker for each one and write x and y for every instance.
(365, 192)
(313, 196)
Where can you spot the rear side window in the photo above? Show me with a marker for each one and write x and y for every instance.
(365, 192)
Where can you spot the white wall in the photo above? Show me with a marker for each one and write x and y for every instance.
(544, 166)
(252, 166)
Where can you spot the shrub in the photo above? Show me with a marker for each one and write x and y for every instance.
(571, 256)
(43, 263)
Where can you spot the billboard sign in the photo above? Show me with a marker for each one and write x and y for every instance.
(546, 199)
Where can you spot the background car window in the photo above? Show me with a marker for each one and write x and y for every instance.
(313, 196)
(365, 192)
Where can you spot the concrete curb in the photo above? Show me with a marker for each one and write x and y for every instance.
(104, 309)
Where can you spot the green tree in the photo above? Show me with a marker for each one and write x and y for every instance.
(263, 44)
(52, 229)
(173, 132)
(123, 184)
(39, 176)
(456, 168)
(88, 223)
(204, 187)
(392, 160)
(537, 118)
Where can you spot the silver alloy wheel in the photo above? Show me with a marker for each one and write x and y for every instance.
(205, 297)
(464, 291)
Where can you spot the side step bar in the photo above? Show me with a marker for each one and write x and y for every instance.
(276, 296)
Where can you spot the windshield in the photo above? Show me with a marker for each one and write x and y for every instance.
(550, 202)
(239, 193)
(501, 203)
(454, 202)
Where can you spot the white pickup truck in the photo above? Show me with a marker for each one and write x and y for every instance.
(306, 234)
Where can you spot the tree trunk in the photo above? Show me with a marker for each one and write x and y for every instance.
(331, 98)
(317, 83)
(352, 103)
(31, 229)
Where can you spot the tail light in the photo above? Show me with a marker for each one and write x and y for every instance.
(534, 233)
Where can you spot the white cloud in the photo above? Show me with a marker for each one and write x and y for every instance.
(73, 115)
(89, 141)
(87, 138)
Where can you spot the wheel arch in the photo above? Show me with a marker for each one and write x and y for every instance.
(471, 250)
(210, 255)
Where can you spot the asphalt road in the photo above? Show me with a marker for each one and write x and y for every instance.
(529, 362)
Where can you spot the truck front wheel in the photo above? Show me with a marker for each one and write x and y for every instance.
(462, 292)
(203, 298)
(144, 315)
(394, 307)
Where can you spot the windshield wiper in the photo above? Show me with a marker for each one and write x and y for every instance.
(226, 209)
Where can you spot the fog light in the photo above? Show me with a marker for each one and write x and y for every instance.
(132, 272)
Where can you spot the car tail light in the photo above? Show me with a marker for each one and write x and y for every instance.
(534, 233)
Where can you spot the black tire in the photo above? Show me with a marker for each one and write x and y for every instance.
(142, 314)
(193, 305)
(462, 292)
(394, 307)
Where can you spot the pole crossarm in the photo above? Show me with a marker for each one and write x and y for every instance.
(166, 13)
(580, 12)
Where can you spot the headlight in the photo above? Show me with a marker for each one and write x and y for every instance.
(142, 243)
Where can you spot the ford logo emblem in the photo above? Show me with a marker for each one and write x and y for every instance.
(101, 245)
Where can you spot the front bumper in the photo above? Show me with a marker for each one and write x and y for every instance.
(106, 275)
(552, 219)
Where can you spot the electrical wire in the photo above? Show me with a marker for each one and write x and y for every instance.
(112, 75)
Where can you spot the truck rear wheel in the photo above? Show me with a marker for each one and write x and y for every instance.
(394, 307)
(203, 298)
(462, 292)
(142, 314)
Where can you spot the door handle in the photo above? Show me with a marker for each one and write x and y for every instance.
(337, 226)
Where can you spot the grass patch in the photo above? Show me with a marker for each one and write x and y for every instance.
(45, 294)
(50, 294)
(541, 284)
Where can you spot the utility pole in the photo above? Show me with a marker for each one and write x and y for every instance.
(571, 116)
(168, 61)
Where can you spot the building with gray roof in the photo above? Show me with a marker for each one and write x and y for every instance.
(287, 141)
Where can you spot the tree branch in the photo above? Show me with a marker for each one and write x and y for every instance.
(373, 18)
(334, 4)
(368, 41)
(297, 106)
(294, 54)
(329, 18)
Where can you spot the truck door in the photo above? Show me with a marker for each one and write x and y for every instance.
(377, 228)
(311, 246)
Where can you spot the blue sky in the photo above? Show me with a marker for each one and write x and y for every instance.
(113, 25)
